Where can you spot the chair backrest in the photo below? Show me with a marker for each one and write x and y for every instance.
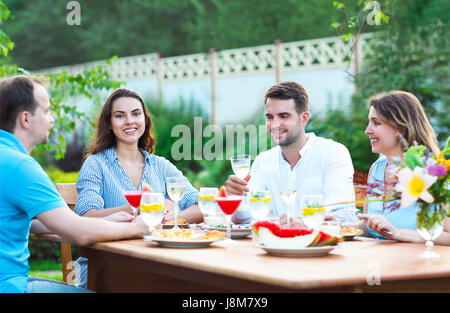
(68, 192)
(360, 194)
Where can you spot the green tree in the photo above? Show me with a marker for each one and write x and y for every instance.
(412, 54)
(62, 86)
(172, 27)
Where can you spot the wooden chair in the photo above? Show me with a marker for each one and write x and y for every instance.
(68, 192)
(360, 194)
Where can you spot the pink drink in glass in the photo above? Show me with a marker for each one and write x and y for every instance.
(133, 198)
(229, 205)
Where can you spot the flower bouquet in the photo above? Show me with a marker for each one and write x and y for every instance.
(424, 178)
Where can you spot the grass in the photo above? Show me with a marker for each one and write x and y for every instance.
(46, 269)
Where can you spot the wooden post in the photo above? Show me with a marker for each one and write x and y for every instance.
(212, 71)
(278, 61)
(356, 55)
(159, 76)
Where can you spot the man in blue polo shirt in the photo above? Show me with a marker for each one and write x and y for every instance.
(26, 191)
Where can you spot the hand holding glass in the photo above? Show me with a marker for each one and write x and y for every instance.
(134, 199)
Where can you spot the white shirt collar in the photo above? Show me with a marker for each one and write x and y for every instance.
(311, 137)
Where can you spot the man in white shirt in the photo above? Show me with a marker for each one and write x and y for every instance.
(301, 161)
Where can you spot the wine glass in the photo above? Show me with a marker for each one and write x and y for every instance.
(312, 210)
(259, 204)
(288, 196)
(134, 199)
(153, 208)
(241, 165)
(176, 187)
(208, 206)
(229, 205)
(430, 225)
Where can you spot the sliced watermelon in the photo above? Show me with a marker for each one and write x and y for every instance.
(294, 231)
(273, 227)
(327, 239)
(146, 187)
(270, 240)
(223, 192)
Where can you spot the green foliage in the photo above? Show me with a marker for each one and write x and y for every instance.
(6, 45)
(165, 117)
(412, 54)
(429, 215)
(172, 27)
(46, 250)
(356, 17)
(346, 128)
(197, 169)
(409, 52)
(59, 176)
(63, 86)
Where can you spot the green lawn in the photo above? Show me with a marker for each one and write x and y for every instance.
(46, 269)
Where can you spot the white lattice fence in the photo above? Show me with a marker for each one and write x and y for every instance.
(273, 59)
(300, 55)
(250, 61)
(135, 67)
(187, 67)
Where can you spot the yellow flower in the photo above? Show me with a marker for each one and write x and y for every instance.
(441, 160)
(414, 184)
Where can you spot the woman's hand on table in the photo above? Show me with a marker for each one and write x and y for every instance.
(381, 225)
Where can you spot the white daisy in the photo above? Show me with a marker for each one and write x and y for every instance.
(414, 185)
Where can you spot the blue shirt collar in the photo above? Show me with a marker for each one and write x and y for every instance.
(8, 139)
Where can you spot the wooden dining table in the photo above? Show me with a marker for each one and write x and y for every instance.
(361, 265)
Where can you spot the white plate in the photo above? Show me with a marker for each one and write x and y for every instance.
(180, 243)
(303, 252)
(236, 233)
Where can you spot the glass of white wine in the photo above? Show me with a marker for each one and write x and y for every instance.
(176, 187)
(153, 208)
(241, 165)
(288, 196)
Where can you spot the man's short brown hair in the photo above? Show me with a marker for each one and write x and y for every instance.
(289, 90)
(16, 95)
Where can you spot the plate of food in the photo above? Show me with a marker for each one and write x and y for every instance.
(349, 232)
(294, 241)
(184, 238)
(237, 230)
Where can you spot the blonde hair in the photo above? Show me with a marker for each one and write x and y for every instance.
(404, 111)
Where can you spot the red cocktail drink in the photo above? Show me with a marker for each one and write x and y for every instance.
(229, 205)
(133, 198)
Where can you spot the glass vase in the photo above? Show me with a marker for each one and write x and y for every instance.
(430, 223)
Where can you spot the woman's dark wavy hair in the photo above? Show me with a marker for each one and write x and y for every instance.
(104, 137)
